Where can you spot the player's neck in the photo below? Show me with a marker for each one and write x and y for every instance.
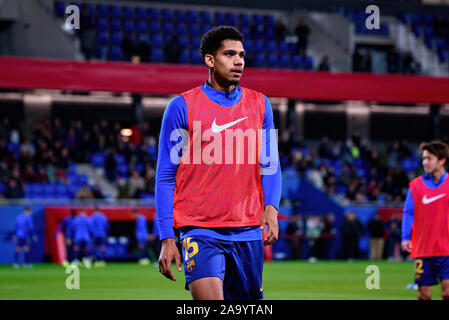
(437, 175)
(218, 85)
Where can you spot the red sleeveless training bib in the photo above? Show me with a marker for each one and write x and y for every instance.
(430, 232)
(218, 182)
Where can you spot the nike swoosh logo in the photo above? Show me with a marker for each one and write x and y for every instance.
(426, 200)
(218, 128)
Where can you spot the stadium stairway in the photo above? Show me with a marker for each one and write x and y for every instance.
(97, 176)
(325, 40)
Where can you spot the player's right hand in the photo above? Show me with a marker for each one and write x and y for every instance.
(169, 252)
(406, 246)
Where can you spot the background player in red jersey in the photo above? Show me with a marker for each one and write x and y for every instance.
(425, 226)
(220, 207)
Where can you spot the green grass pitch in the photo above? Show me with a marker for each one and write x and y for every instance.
(286, 280)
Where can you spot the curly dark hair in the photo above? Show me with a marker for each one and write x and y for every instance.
(211, 40)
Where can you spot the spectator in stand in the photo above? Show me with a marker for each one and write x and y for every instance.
(136, 184)
(394, 241)
(87, 34)
(172, 51)
(14, 190)
(351, 229)
(377, 231)
(127, 47)
(96, 192)
(295, 230)
(302, 31)
(84, 193)
(315, 177)
(324, 64)
(123, 188)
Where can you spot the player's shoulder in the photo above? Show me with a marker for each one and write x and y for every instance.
(252, 92)
(416, 181)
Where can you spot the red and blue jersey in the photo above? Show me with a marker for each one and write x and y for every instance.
(426, 217)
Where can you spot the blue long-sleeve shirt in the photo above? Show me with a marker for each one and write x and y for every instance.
(66, 226)
(23, 226)
(175, 117)
(99, 225)
(409, 206)
(82, 229)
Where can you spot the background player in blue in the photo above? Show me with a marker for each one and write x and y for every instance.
(66, 226)
(141, 236)
(23, 234)
(82, 234)
(208, 276)
(100, 229)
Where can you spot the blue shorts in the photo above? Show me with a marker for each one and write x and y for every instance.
(100, 241)
(238, 263)
(428, 270)
(22, 242)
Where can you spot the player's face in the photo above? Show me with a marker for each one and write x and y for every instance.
(229, 61)
(431, 163)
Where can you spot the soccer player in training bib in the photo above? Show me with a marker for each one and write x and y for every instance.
(425, 225)
(218, 178)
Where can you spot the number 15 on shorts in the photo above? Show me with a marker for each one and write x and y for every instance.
(191, 246)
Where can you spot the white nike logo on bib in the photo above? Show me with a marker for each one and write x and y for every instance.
(426, 200)
(218, 128)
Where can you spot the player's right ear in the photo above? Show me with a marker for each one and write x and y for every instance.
(209, 60)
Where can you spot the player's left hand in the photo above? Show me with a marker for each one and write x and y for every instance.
(269, 217)
(35, 238)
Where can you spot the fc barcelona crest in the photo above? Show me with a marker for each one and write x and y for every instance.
(191, 265)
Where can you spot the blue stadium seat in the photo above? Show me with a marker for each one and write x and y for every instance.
(196, 57)
(168, 15)
(128, 13)
(61, 189)
(102, 24)
(205, 28)
(220, 18)
(155, 27)
(195, 30)
(269, 33)
(231, 19)
(258, 32)
(258, 20)
(205, 17)
(193, 17)
(116, 39)
(115, 25)
(184, 57)
(115, 53)
(59, 8)
(195, 42)
(259, 60)
(183, 41)
(248, 45)
(120, 158)
(157, 55)
(246, 31)
(156, 41)
(284, 61)
(90, 8)
(143, 27)
(101, 52)
(49, 190)
(271, 46)
(259, 45)
(269, 20)
(272, 60)
(154, 14)
(122, 168)
(129, 26)
(102, 38)
(181, 29)
(297, 62)
(283, 47)
(143, 37)
(168, 28)
(244, 20)
(72, 190)
(102, 11)
(181, 16)
(141, 13)
(308, 63)
(115, 11)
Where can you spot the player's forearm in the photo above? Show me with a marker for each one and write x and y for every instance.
(408, 217)
(272, 186)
